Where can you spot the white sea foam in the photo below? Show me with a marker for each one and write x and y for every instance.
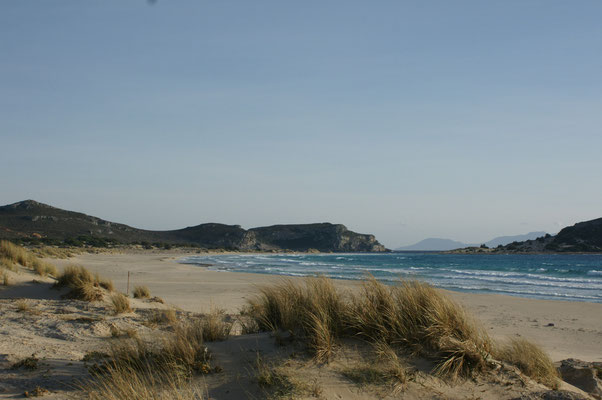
(524, 276)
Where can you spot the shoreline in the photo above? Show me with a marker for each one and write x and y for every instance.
(353, 273)
(565, 329)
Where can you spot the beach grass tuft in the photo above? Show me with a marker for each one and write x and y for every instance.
(141, 292)
(215, 327)
(410, 315)
(531, 360)
(12, 255)
(5, 279)
(8, 264)
(16, 254)
(23, 305)
(314, 311)
(83, 285)
(275, 380)
(121, 304)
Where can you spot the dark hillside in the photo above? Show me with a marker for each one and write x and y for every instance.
(33, 222)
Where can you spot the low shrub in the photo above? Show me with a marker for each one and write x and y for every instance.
(29, 363)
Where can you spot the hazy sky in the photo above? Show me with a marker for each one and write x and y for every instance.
(457, 119)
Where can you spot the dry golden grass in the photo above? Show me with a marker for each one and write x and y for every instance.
(8, 264)
(179, 353)
(83, 285)
(11, 254)
(412, 316)
(215, 327)
(23, 305)
(16, 254)
(140, 381)
(141, 292)
(5, 279)
(104, 283)
(121, 304)
(159, 317)
(275, 381)
(54, 252)
(421, 318)
(315, 311)
(43, 268)
(531, 360)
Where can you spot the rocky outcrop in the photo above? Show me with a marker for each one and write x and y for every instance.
(33, 221)
(583, 237)
(587, 376)
(322, 237)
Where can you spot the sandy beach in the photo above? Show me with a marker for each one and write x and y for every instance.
(564, 329)
(62, 337)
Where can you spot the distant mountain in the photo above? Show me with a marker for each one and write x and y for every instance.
(504, 240)
(31, 221)
(582, 237)
(433, 244)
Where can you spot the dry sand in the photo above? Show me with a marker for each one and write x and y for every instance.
(60, 332)
(576, 331)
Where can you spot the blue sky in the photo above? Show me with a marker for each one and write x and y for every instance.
(464, 119)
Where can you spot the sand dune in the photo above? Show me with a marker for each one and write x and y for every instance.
(61, 333)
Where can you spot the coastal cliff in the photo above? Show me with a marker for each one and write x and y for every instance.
(583, 237)
(33, 222)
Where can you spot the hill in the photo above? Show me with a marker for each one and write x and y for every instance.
(435, 244)
(32, 222)
(582, 237)
(504, 240)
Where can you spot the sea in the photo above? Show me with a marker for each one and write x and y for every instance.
(572, 277)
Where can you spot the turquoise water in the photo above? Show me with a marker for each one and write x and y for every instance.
(553, 276)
